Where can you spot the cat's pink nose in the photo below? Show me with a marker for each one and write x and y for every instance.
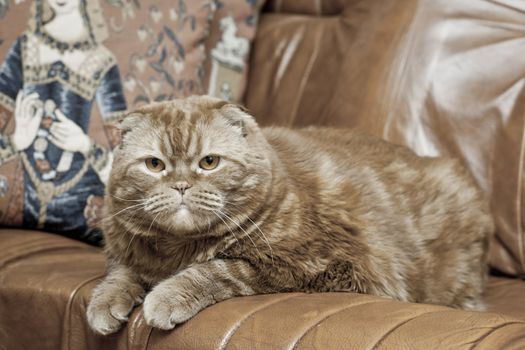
(181, 186)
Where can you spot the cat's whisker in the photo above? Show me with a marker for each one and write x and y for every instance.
(142, 205)
(152, 221)
(220, 218)
(130, 225)
(129, 244)
(228, 226)
(206, 204)
(130, 220)
(131, 213)
(134, 213)
(129, 200)
(215, 199)
(160, 206)
(243, 230)
(204, 192)
(264, 238)
(123, 210)
(153, 204)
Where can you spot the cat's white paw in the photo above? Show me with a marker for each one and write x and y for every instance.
(108, 311)
(165, 308)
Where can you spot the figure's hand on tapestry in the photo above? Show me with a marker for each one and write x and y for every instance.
(28, 115)
(67, 135)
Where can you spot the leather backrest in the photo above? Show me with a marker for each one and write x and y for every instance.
(443, 77)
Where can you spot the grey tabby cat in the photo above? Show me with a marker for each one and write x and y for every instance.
(203, 205)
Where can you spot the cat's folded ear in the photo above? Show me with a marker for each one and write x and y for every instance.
(128, 123)
(238, 117)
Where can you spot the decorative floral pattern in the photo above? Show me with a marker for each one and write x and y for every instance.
(169, 58)
(168, 55)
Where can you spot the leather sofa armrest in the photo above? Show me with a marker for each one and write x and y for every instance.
(339, 321)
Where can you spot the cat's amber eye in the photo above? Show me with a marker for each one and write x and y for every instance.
(155, 165)
(209, 162)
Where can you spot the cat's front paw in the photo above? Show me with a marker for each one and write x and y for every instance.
(165, 307)
(108, 310)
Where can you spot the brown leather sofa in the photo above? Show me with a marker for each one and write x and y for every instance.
(440, 76)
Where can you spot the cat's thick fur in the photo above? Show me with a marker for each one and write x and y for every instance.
(310, 210)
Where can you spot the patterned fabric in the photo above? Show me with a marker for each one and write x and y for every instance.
(62, 58)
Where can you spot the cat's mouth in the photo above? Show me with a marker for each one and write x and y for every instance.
(183, 208)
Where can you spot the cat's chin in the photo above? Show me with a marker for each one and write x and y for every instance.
(183, 221)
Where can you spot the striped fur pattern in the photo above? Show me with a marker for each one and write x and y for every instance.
(311, 210)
